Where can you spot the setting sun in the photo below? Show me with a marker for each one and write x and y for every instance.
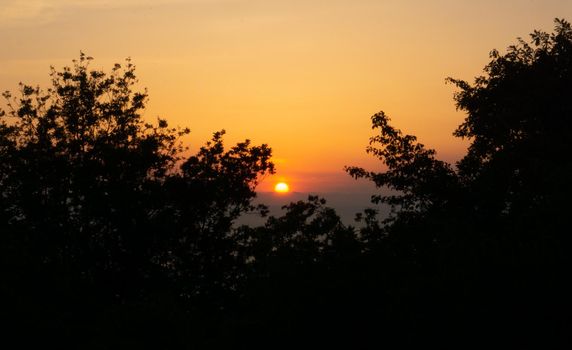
(282, 187)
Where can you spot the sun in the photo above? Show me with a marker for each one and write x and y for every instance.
(282, 187)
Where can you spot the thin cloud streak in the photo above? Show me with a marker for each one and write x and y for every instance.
(33, 12)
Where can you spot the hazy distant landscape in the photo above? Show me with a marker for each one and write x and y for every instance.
(345, 204)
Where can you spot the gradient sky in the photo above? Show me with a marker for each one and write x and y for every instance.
(301, 75)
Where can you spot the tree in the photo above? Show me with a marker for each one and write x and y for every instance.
(485, 237)
(101, 208)
(518, 124)
(305, 271)
(419, 180)
(518, 121)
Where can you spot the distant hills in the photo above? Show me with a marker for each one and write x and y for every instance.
(345, 204)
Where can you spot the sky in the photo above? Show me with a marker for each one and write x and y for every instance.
(303, 76)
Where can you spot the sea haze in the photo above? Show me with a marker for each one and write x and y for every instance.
(345, 204)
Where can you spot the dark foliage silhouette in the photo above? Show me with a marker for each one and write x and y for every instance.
(488, 238)
(102, 216)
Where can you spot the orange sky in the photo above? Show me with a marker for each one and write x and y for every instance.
(301, 75)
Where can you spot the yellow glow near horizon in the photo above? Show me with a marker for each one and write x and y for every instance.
(282, 187)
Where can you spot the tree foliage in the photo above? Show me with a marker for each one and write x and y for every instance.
(518, 121)
(488, 233)
(418, 178)
(99, 206)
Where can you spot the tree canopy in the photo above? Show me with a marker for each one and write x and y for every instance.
(99, 204)
(490, 232)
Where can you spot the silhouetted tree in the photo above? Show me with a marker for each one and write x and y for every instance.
(484, 239)
(518, 121)
(419, 180)
(101, 209)
(302, 279)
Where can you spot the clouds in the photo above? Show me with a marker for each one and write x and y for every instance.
(18, 12)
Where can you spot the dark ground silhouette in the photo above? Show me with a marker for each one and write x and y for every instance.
(111, 239)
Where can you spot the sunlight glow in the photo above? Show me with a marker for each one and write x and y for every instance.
(282, 187)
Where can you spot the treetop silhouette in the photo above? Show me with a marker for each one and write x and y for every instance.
(90, 188)
(518, 124)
